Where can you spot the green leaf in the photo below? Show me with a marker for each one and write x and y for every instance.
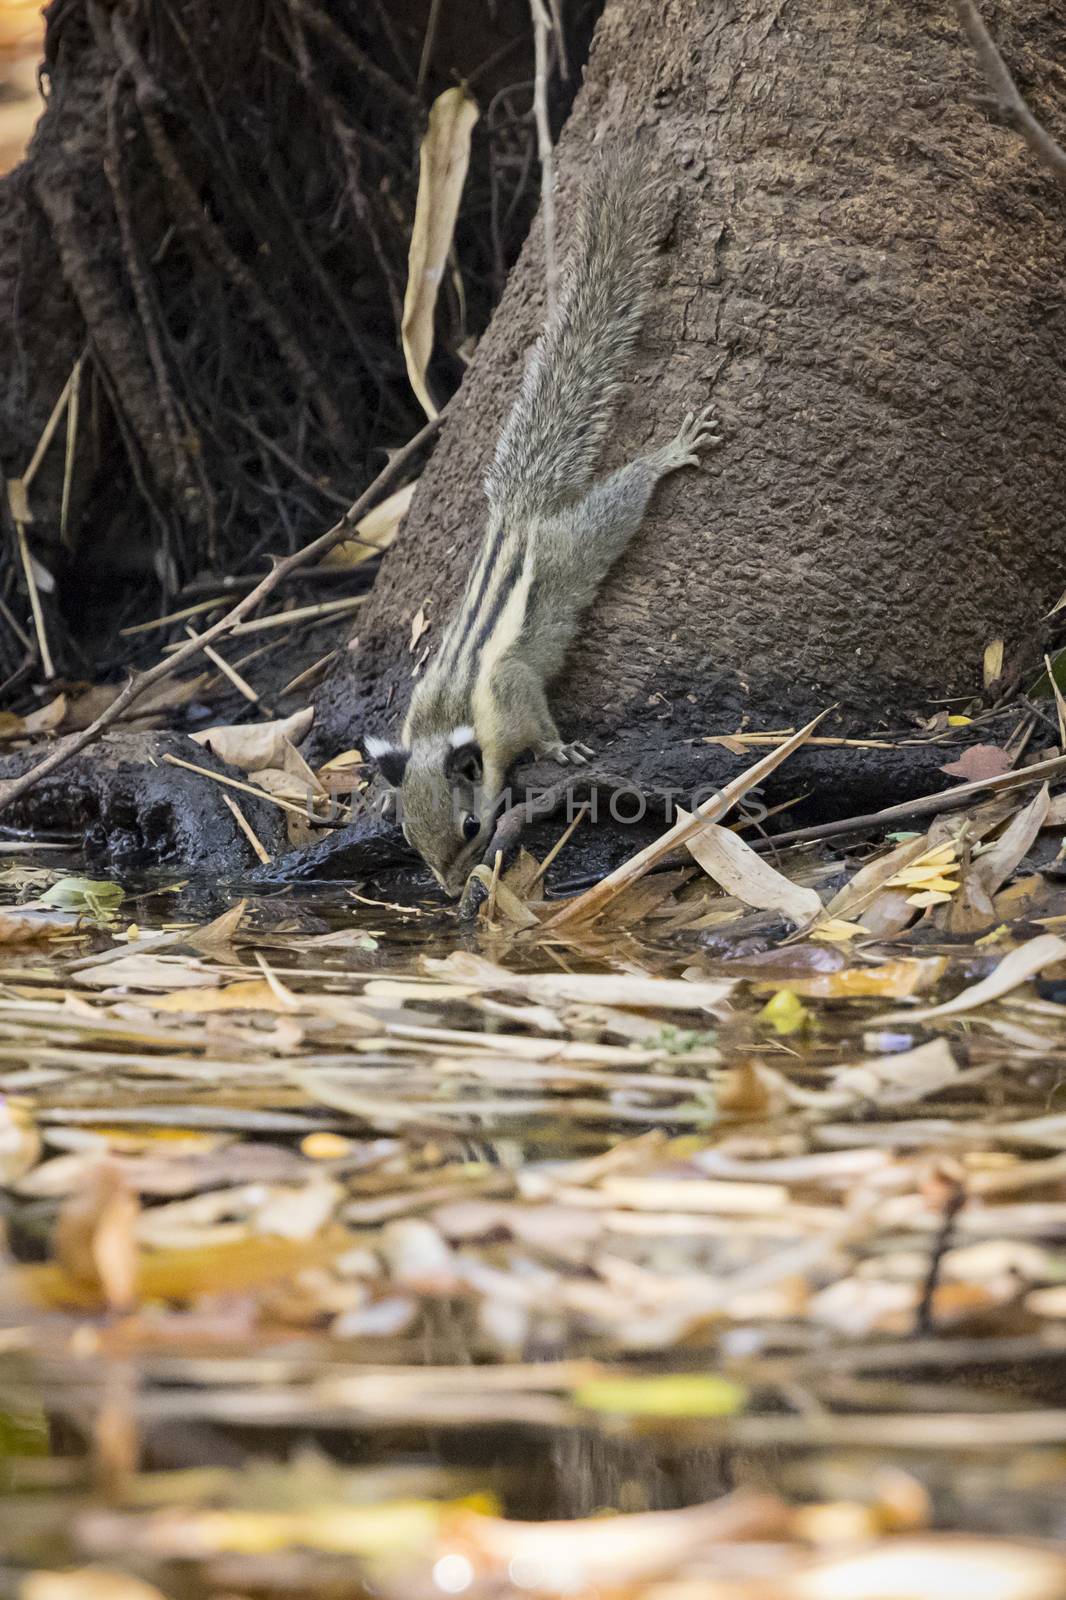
(675, 1394)
(95, 897)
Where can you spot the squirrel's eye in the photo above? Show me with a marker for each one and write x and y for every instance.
(470, 826)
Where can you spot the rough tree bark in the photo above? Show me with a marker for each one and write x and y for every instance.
(865, 275)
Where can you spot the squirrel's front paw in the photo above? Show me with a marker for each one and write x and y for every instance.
(574, 754)
(699, 431)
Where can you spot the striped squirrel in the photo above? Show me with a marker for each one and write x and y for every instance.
(551, 539)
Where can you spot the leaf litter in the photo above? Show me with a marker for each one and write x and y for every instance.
(344, 1251)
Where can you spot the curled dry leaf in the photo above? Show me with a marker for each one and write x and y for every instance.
(735, 867)
(253, 745)
(443, 160)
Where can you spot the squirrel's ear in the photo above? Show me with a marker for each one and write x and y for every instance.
(463, 760)
(390, 759)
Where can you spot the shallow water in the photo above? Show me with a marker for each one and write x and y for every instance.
(298, 1220)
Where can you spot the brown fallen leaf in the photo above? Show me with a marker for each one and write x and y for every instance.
(252, 745)
(95, 1244)
(978, 762)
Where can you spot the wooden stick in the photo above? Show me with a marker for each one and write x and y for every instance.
(17, 787)
(245, 788)
(35, 600)
(1005, 90)
(241, 685)
(925, 805)
(246, 828)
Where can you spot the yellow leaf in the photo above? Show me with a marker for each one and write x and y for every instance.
(958, 721)
(346, 759)
(443, 160)
(674, 1394)
(993, 662)
(835, 930)
(374, 532)
(325, 1146)
(86, 1583)
(894, 980)
(230, 1267)
(931, 897)
(784, 1013)
(248, 994)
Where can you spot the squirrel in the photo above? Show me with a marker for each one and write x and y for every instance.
(553, 534)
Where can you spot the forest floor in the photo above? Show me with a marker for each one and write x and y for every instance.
(648, 1244)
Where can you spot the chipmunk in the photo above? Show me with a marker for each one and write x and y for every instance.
(551, 539)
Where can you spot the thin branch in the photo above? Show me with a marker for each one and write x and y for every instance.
(542, 28)
(188, 652)
(1006, 93)
(925, 805)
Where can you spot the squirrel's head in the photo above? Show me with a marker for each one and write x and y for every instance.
(442, 802)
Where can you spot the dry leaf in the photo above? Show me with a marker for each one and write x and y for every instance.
(378, 528)
(253, 745)
(149, 972)
(20, 1142)
(979, 761)
(735, 867)
(96, 1245)
(18, 925)
(895, 1079)
(1021, 964)
(995, 865)
(248, 994)
(443, 160)
(419, 625)
(893, 980)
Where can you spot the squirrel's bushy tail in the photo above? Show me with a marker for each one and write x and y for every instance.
(551, 441)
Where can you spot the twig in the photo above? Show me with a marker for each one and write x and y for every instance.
(173, 616)
(166, 669)
(246, 828)
(241, 685)
(307, 675)
(315, 613)
(35, 600)
(71, 448)
(1005, 90)
(542, 28)
(925, 805)
(235, 783)
(187, 207)
(428, 43)
(560, 843)
(48, 431)
(954, 1201)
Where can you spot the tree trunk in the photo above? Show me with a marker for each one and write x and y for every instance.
(865, 275)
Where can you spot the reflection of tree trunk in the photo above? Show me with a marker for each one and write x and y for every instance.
(865, 274)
